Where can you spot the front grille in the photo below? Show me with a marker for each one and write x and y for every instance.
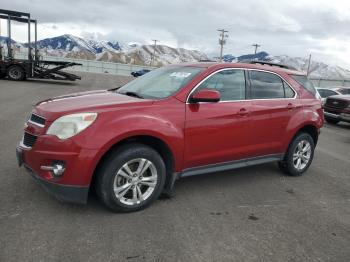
(29, 139)
(336, 103)
(37, 120)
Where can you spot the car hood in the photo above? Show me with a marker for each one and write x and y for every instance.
(92, 101)
(342, 97)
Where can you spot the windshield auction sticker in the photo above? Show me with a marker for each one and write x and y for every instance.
(180, 74)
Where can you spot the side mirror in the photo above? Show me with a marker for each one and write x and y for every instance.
(205, 95)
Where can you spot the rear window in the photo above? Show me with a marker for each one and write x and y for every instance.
(345, 91)
(305, 83)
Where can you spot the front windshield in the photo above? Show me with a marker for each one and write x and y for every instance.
(160, 83)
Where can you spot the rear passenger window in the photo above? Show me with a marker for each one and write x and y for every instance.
(302, 80)
(230, 84)
(265, 85)
(289, 93)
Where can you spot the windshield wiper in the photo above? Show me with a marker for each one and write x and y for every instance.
(114, 89)
(134, 94)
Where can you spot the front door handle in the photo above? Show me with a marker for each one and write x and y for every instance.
(243, 112)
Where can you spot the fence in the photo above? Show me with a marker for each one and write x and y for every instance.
(125, 69)
(321, 82)
(92, 65)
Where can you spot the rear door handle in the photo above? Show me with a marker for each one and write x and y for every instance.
(243, 112)
(290, 106)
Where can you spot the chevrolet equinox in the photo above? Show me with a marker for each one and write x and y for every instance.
(133, 142)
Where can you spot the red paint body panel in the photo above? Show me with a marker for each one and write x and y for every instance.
(197, 134)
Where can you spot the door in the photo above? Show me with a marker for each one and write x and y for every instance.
(215, 132)
(273, 106)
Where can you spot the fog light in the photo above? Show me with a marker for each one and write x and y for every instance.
(56, 169)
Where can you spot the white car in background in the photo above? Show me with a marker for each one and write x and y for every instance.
(325, 92)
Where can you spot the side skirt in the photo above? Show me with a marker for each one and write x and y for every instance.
(193, 171)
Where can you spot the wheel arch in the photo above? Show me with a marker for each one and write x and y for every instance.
(310, 129)
(154, 142)
(16, 64)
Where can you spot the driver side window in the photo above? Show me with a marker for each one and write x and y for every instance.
(230, 84)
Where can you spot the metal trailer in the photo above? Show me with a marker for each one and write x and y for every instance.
(32, 67)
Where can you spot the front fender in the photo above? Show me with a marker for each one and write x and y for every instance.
(114, 130)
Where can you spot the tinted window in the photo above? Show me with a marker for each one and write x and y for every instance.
(230, 84)
(265, 85)
(345, 91)
(322, 93)
(302, 80)
(326, 93)
(289, 93)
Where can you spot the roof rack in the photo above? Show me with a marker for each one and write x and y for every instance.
(268, 63)
(206, 60)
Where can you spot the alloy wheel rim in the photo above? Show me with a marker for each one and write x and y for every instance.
(302, 154)
(135, 181)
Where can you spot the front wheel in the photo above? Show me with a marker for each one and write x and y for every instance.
(299, 155)
(131, 178)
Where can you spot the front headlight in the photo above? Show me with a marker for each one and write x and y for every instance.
(70, 125)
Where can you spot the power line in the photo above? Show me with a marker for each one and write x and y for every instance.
(222, 40)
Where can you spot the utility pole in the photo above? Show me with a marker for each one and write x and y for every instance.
(308, 66)
(154, 50)
(256, 47)
(222, 40)
(0, 43)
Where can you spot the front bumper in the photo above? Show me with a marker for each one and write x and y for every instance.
(341, 116)
(63, 192)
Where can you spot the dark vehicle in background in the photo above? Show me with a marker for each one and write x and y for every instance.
(337, 108)
(343, 90)
(325, 92)
(140, 72)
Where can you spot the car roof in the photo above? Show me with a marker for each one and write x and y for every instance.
(217, 66)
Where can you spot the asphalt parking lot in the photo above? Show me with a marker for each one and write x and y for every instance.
(251, 214)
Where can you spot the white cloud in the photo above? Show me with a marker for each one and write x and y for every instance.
(293, 28)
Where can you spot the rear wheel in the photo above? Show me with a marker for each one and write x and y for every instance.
(131, 178)
(15, 73)
(299, 156)
(332, 120)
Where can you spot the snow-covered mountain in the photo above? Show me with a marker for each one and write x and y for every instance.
(76, 47)
(70, 43)
(317, 69)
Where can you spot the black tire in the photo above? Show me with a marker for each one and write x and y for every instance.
(107, 173)
(332, 120)
(287, 165)
(16, 73)
(2, 75)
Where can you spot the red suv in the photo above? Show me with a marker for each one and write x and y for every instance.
(132, 143)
